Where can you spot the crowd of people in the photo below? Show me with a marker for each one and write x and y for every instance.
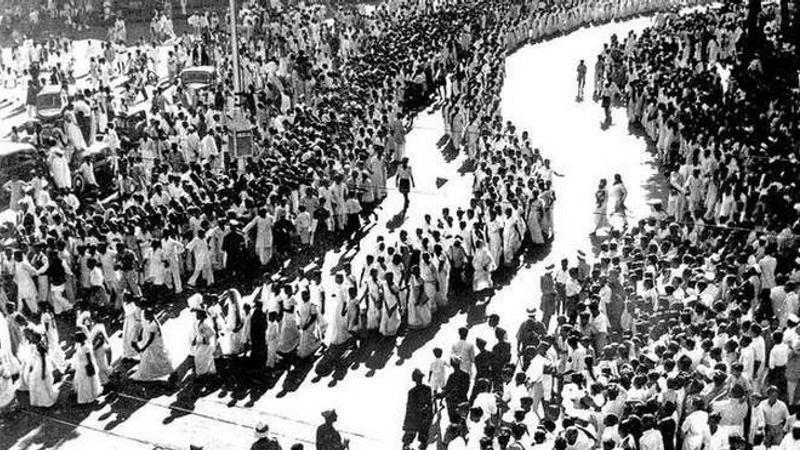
(682, 331)
(180, 213)
(672, 337)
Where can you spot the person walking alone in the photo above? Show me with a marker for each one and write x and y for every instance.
(581, 70)
(405, 181)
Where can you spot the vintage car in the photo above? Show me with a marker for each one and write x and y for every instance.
(104, 170)
(49, 104)
(17, 160)
(198, 77)
(131, 126)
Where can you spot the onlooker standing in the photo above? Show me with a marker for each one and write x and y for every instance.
(419, 412)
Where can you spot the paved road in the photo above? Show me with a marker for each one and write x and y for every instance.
(369, 392)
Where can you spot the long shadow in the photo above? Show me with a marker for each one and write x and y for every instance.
(377, 352)
(396, 221)
(43, 427)
(449, 151)
(656, 186)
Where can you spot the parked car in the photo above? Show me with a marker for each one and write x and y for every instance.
(198, 77)
(104, 170)
(17, 160)
(50, 104)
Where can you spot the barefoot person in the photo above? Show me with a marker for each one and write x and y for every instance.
(601, 206)
(619, 193)
(581, 70)
(405, 181)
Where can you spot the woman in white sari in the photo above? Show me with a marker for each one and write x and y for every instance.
(101, 347)
(131, 326)
(495, 233)
(374, 300)
(338, 326)
(307, 317)
(419, 304)
(155, 362)
(483, 265)
(48, 323)
(40, 379)
(8, 388)
(430, 279)
(512, 238)
(232, 339)
(203, 345)
(390, 319)
(71, 128)
(86, 383)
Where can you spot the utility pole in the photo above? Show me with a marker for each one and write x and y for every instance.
(240, 132)
(237, 85)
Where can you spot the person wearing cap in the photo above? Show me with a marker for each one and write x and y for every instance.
(419, 412)
(549, 299)
(455, 390)
(263, 439)
(328, 438)
(233, 246)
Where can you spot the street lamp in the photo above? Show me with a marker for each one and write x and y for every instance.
(240, 132)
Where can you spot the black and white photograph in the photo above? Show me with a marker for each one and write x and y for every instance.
(399, 224)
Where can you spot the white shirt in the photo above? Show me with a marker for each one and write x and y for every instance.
(535, 370)
(778, 356)
(774, 414)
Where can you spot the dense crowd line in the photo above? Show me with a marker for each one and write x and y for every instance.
(179, 211)
(682, 331)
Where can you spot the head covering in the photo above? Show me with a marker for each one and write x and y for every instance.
(261, 430)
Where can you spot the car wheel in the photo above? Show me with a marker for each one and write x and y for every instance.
(78, 184)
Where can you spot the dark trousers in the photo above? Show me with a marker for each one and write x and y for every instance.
(421, 434)
(571, 306)
(548, 306)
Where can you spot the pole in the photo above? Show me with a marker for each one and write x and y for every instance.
(237, 89)
(237, 86)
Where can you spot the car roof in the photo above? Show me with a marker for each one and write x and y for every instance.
(8, 147)
(199, 69)
(97, 147)
(50, 89)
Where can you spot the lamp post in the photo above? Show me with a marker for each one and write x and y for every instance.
(237, 84)
(240, 131)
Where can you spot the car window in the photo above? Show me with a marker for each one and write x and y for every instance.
(48, 101)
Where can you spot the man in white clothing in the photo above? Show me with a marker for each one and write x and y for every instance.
(202, 259)
(464, 350)
(263, 225)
